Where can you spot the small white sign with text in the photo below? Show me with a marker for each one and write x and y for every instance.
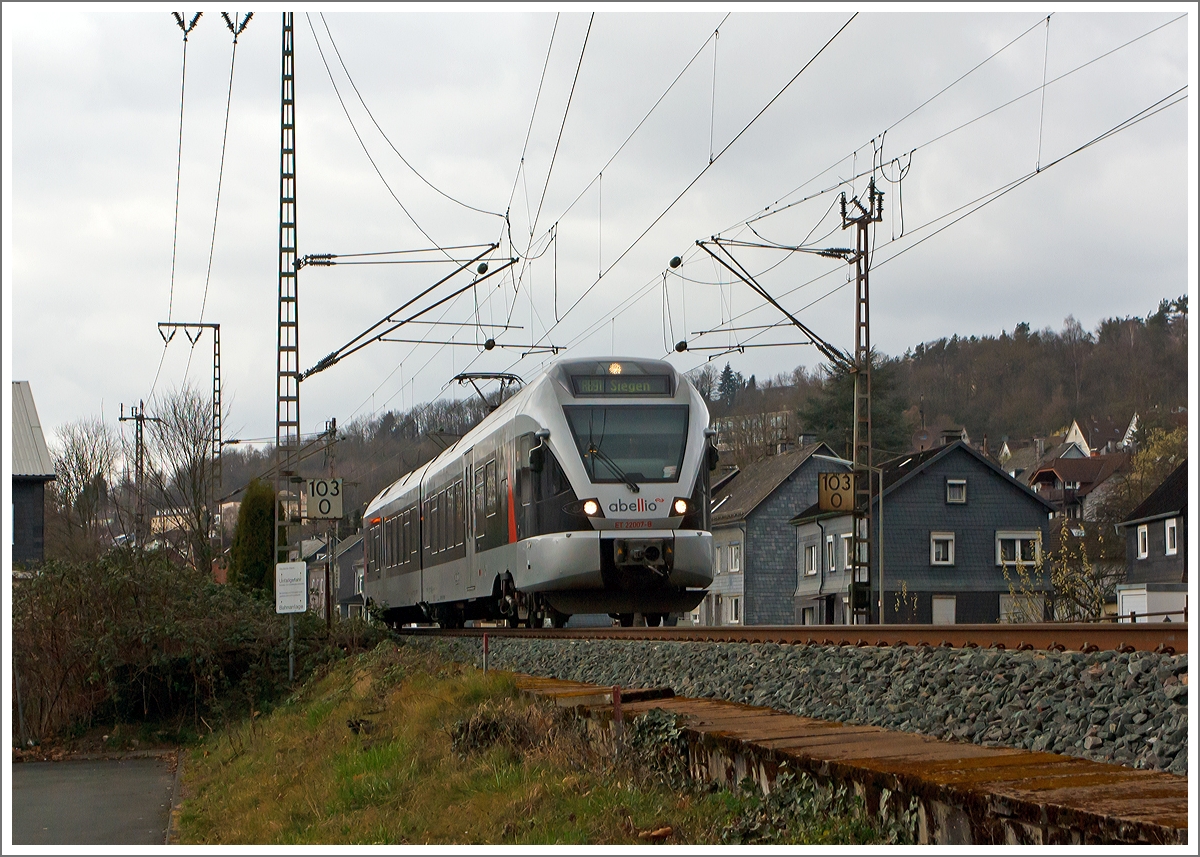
(290, 590)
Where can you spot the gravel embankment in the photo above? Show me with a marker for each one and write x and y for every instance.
(1130, 709)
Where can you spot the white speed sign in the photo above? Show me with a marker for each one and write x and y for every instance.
(324, 498)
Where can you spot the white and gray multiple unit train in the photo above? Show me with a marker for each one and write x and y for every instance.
(585, 492)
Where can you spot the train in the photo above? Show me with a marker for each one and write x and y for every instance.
(585, 492)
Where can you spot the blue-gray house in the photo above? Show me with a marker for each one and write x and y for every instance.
(953, 524)
(1155, 587)
(755, 549)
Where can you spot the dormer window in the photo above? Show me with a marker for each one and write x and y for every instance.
(956, 490)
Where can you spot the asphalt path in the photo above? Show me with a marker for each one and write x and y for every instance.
(100, 802)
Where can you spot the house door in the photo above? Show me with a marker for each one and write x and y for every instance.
(943, 609)
(1131, 603)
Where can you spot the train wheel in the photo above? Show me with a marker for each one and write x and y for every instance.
(653, 620)
(626, 620)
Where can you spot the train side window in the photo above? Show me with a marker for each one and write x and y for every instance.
(480, 499)
(493, 494)
(460, 518)
(414, 541)
(443, 517)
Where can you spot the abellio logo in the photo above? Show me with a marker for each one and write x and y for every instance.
(638, 505)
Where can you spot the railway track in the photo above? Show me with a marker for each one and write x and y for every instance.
(1168, 638)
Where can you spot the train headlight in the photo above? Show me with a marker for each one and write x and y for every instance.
(590, 508)
(680, 506)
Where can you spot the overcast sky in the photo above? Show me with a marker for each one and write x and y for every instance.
(92, 107)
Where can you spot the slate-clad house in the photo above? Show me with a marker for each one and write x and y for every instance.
(32, 469)
(952, 520)
(1156, 553)
(755, 549)
(349, 582)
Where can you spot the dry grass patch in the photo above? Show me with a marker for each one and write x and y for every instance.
(398, 746)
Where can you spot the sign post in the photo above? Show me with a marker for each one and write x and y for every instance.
(291, 598)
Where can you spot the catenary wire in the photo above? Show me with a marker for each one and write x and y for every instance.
(361, 142)
(387, 139)
(702, 172)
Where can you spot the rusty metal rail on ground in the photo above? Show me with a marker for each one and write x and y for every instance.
(1163, 637)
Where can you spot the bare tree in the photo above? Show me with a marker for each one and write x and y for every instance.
(84, 462)
(179, 443)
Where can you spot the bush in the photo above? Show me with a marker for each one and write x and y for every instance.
(133, 637)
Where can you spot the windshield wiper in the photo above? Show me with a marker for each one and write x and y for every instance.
(597, 454)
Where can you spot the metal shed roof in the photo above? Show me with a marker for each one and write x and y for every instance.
(30, 456)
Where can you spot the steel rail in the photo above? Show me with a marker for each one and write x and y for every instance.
(1166, 637)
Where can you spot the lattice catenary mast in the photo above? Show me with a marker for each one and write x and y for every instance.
(287, 367)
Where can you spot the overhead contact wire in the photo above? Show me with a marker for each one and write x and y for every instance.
(709, 166)
(387, 139)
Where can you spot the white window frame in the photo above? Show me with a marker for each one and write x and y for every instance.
(720, 551)
(830, 555)
(1019, 535)
(934, 538)
(359, 574)
(1143, 541)
(810, 559)
(735, 557)
(1171, 536)
(956, 483)
(846, 551)
(735, 610)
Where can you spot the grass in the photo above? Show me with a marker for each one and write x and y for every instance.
(397, 746)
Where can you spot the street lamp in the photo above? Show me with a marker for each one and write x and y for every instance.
(878, 470)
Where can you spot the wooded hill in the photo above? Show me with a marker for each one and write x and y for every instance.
(1019, 384)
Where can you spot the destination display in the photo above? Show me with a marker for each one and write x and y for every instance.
(622, 385)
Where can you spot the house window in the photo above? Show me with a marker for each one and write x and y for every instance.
(358, 580)
(830, 556)
(846, 549)
(808, 616)
(1172, 544)
(941, 548)
(735, 557)
(810, 559)
(1018, 548)
(1143, 541)
(956, 490)
(735, 610)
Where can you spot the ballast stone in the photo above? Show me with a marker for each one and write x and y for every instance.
(1031, 700)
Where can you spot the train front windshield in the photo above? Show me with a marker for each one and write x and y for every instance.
(630, 443)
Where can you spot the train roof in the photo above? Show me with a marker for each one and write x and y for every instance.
(560, 370)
